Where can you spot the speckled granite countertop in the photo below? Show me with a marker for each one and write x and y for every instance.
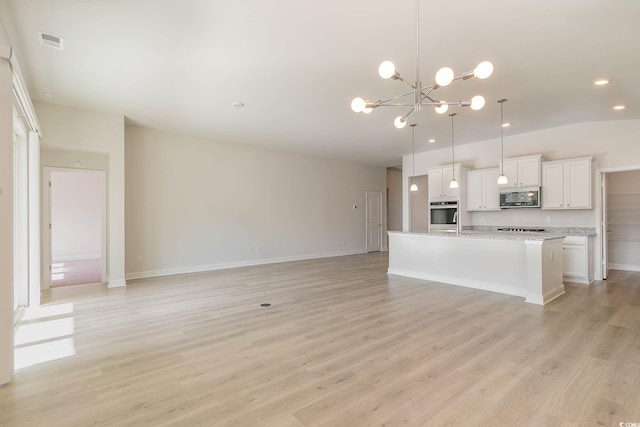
(564, 231)
(498, 235)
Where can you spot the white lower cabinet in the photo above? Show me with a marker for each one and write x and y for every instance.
(575, 254)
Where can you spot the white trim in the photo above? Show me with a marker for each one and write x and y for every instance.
(625, 267)
(547, 297)
(117, 283)
(235, 264)
(580, 280)
(456, 281)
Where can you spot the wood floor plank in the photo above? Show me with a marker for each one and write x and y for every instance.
(342, 344)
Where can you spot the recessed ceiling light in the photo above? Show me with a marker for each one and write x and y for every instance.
(506, 125)
(601, 82)
(237, 104)
(432, 140)
(619, 107)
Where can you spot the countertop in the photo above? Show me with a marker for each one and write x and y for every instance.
(498, 235)
(564, 231)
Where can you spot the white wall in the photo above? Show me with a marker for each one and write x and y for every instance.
(70, 129)
(394, 200)
(613, 143)
(419, 205)
(76, 215)
(193, 204)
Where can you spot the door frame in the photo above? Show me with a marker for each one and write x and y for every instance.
(46, 221)
(380, 215)
(601, 197)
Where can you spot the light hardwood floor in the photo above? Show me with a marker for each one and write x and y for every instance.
(342, 344)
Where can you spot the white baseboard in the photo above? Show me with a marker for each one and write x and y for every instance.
(76, 257)
(626, 267)
(580, 280)
(474, 284)
(117, 283)
(547, 297)
(235, 264)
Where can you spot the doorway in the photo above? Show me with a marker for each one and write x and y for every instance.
(374, 221)
(75, 229)
(621, 221)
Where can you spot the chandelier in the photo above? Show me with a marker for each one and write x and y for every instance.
(423, 96)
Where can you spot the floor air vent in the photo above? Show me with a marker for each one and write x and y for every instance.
(50, 40)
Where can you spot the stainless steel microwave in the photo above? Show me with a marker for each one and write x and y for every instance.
(520, 197)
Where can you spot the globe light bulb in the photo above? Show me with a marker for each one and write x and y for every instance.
(358, 104)
(367, 110)
(453, 184)
(442, 108)
(399, 122)
(483, 70)
(477, 102)
(387, 70)
(444, 76)
(414, 187)
(502, 179)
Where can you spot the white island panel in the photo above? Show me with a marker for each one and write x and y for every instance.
(513, 265)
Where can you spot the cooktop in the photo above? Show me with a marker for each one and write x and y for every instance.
(532, 230)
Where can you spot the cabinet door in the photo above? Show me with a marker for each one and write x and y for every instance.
(510, 170)
(577, 190)
(491, 189)
(529, 172)
(574, 261)
(552, 186)
(475, 200)
(447, 176)
(435, 183)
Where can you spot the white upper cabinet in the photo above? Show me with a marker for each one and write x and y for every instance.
(483, 192)
(523, 171)
(566, 184)
(439, 179)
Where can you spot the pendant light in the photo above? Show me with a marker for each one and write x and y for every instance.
(414, 187)
(453, 183)
(502, 179)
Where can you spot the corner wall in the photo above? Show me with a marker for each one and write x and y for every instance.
(194, 205)
(73, 130)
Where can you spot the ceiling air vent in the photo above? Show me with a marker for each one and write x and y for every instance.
(50, 40)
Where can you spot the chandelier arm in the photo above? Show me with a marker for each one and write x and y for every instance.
(394, 98)
(406, 116)
(405, 82)
(394, 105)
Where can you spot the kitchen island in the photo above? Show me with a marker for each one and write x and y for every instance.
(527, 265)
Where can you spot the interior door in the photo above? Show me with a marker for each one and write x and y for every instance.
(605, 229)
(374, 221)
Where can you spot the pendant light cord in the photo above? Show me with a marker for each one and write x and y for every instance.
(413, 150)
(453, 154)
(502, 101)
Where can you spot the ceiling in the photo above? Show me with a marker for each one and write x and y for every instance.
(296, 65)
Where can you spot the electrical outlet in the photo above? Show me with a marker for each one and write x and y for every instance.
(548, 218)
